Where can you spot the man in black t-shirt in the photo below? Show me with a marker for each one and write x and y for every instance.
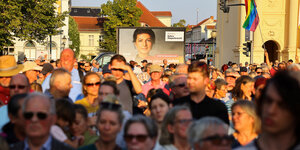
(127, 88)
(200, 104)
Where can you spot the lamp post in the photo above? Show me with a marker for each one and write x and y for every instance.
(214, 35)
(64, 40)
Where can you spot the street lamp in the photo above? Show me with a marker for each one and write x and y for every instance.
(64, 40)
(214, 35)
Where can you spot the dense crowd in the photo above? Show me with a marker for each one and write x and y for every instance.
(70, 104)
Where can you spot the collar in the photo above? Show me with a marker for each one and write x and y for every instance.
(45, 146)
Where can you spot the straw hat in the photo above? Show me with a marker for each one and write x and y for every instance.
(30, 65)
(8, 66)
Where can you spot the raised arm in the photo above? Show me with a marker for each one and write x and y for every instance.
(267, 59)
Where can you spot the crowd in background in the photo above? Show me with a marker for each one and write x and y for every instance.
(71, 104)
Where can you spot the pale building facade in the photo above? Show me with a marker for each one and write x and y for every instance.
(33, 50)
(278, 31)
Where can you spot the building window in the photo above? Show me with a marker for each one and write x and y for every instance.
(91, 40)
(75, 10)
(30, 51)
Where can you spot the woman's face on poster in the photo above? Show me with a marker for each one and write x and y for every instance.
(143, 43)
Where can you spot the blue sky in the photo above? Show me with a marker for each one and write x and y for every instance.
(181, 9)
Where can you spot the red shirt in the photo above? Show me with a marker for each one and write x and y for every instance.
(4, 94)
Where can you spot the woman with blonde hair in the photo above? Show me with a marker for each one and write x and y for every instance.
(90, 88)
(245, 122)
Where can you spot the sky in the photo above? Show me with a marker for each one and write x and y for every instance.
(181, 9)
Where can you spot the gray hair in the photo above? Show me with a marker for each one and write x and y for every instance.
(57, 72)
(173, 77)
(149, 124)
(293, 67)
(229, 70)
(198, 129)
(30, 96)
(166, 137)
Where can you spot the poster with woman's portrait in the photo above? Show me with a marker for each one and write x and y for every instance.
(152, 44)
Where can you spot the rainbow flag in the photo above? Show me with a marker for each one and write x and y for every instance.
(252, 18)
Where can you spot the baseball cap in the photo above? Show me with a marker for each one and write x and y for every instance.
(144, 61)
(155, 68)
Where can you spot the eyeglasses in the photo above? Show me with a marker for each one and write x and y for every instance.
(109, 105)
(181, 85)
(184, 121)
(114, 69)
(93, 84)
(140, 137)
(231, 77)
(258, 72)
(40, 115)
(17, 86)
(219, 140)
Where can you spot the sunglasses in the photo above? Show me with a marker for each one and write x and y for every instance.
(140, 137)
(17, 86)
(114, 69)
(219, 140)
(184, 121)
(93, 84)
(181, 85)
(109, 105)
(231, 77)
(40, 115)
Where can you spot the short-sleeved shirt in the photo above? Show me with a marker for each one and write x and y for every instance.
(91, 109)
(207, 107)
(58, 133)
(148, 86)
(126, 95)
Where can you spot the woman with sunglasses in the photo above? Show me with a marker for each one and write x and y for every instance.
(109, 124)
(174, 128)
(245, 122)
(209, 133)
(90, 88)
(140, 133)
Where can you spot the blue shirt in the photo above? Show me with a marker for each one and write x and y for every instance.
(75, 90)
(46, 145)
(4, 116)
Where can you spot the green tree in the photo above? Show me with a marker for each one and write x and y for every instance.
(74, 36)
(119, 13)
(28, 20)
(181, 23)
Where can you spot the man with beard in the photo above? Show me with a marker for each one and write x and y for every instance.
(60, 85)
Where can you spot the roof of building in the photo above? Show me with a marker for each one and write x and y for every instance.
(85, 11)
(162, 13)
(88, 23)
(148, 18)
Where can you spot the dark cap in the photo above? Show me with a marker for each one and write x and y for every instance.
(243, 69)
(47, 67)
(144, 61)
(105, 69)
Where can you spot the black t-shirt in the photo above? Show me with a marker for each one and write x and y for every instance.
(207, 107)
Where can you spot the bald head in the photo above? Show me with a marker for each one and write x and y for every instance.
(67, 59)
(19, 84)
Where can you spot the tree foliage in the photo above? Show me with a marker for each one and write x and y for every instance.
(28, 20)
(119, 13)
(74, 36)
(180, 23)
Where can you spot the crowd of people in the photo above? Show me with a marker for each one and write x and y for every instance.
(70, 104)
